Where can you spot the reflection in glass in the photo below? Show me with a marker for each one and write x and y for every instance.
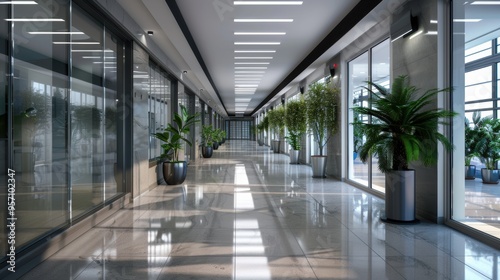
(475, 82)
(358, 96)
(4, 68)
(380, 74)
(39, 115)
(87, 116)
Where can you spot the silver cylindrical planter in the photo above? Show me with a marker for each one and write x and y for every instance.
(294, 156)
(275, 144)
(400, 203)
(490, 176)
(318, 166)
(470, 172)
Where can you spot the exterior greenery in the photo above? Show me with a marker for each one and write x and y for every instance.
(296, 122)
(322, 105)
(277, 120)
(173, 135)
(403, 129)
(471, 137)
(488, 145)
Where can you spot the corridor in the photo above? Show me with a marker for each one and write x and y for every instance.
(246, 213)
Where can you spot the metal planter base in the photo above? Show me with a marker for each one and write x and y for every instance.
(490, 176)
(174, 173)
(294, 156)
(318, 166)
(275, 146)
(470, 172)
(400, 205)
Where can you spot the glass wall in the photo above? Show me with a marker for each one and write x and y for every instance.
(4, 121)
(372, 65)
(159, 87)
(39, 115)
(476, 61)
(62, 96)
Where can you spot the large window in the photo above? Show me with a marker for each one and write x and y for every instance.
(476, 61)
(374, 66)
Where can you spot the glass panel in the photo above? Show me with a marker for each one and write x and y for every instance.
(87, 115)
(39, 112)
(358, 96)
(475, 203)
(380, 68)
(113, 148)
(4, 117)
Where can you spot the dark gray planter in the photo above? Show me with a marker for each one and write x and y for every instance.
(216, 145)
(206, 152)
(490, 176)
(294, 156)
(318, 164)
(470, 172)
(275, 146)
(400, 205)
(174, 173)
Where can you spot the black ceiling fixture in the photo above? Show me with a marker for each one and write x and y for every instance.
(174, 8)
(363, 8)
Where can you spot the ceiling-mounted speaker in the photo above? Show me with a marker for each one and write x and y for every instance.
(333, 68)
(283, 100)
(302, 89)
(403, 25)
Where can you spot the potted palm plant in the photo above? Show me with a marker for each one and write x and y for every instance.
(471, 140)
(175, 170)
(207, 141)
(488, 148)
(296, 122)
(277, 124)
(403, 130)
(260, 130)
(322, 104)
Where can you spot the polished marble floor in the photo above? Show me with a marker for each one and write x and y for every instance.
(247, 213)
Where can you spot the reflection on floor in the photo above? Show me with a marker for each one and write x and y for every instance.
(247, 213)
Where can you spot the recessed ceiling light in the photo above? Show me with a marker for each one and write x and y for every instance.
(254, 51)
(243, 99)
(19, 3)
(432, 33)
(467, 20)
(257, 43)
(260, 33)
(250, 68)
(245, 89)
(239, 80)
(56, 33)
(249, 72)
(91, 51)
(251, 63)
(253, 3)
(247, 86)
(34, 19)
(259, 20)
(246, 75)
(485, 3)
(433, 21)
(253, 57)
(75, 43)
(244, 93)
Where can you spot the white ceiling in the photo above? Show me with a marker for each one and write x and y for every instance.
(212, 26)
